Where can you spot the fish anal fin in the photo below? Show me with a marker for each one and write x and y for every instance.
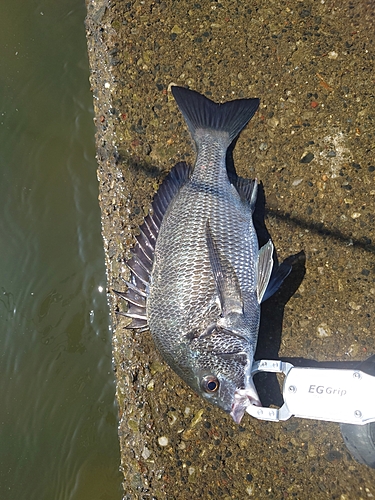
(248, 190)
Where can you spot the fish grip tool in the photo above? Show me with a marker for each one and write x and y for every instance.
(333, 395)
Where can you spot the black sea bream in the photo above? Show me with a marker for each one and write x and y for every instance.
(197, 274)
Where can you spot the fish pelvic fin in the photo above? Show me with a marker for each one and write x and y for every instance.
(202, 113)
(277, 278)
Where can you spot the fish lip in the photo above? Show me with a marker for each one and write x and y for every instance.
(242, 399)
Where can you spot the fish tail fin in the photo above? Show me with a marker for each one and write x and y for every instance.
(202, 113)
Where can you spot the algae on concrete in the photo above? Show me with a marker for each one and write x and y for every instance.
(312, 146)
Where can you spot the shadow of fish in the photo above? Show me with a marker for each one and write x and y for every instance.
(197, 274)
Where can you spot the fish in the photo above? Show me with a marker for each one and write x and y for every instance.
(197, 274)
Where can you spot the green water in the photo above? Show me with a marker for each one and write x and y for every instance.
(58, 419)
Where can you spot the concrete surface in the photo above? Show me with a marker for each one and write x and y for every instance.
(312, 146)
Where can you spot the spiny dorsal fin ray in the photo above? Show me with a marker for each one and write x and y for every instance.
(135, 297)
(134, 287)
(145, 247)
(136, 312)
(132, 297)
(138, 271)
(136, 323)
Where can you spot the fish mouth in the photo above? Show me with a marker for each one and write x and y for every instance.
(242, 399)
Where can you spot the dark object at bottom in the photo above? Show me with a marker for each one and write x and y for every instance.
(360, 439)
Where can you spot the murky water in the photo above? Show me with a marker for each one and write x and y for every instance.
(58, 419)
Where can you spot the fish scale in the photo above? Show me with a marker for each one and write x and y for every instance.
(194, 206)
(197, 274)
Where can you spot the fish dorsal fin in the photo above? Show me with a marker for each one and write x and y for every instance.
(227, 284)
(265, 264)
(202, 113)
(247, 189)
(168, 189)
(142, 261)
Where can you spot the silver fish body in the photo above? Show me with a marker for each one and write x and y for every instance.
(199, 283)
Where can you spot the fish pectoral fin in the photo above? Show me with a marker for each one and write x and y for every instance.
(265, 264)
(227, 284)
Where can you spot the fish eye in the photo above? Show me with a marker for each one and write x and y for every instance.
(210, 383)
